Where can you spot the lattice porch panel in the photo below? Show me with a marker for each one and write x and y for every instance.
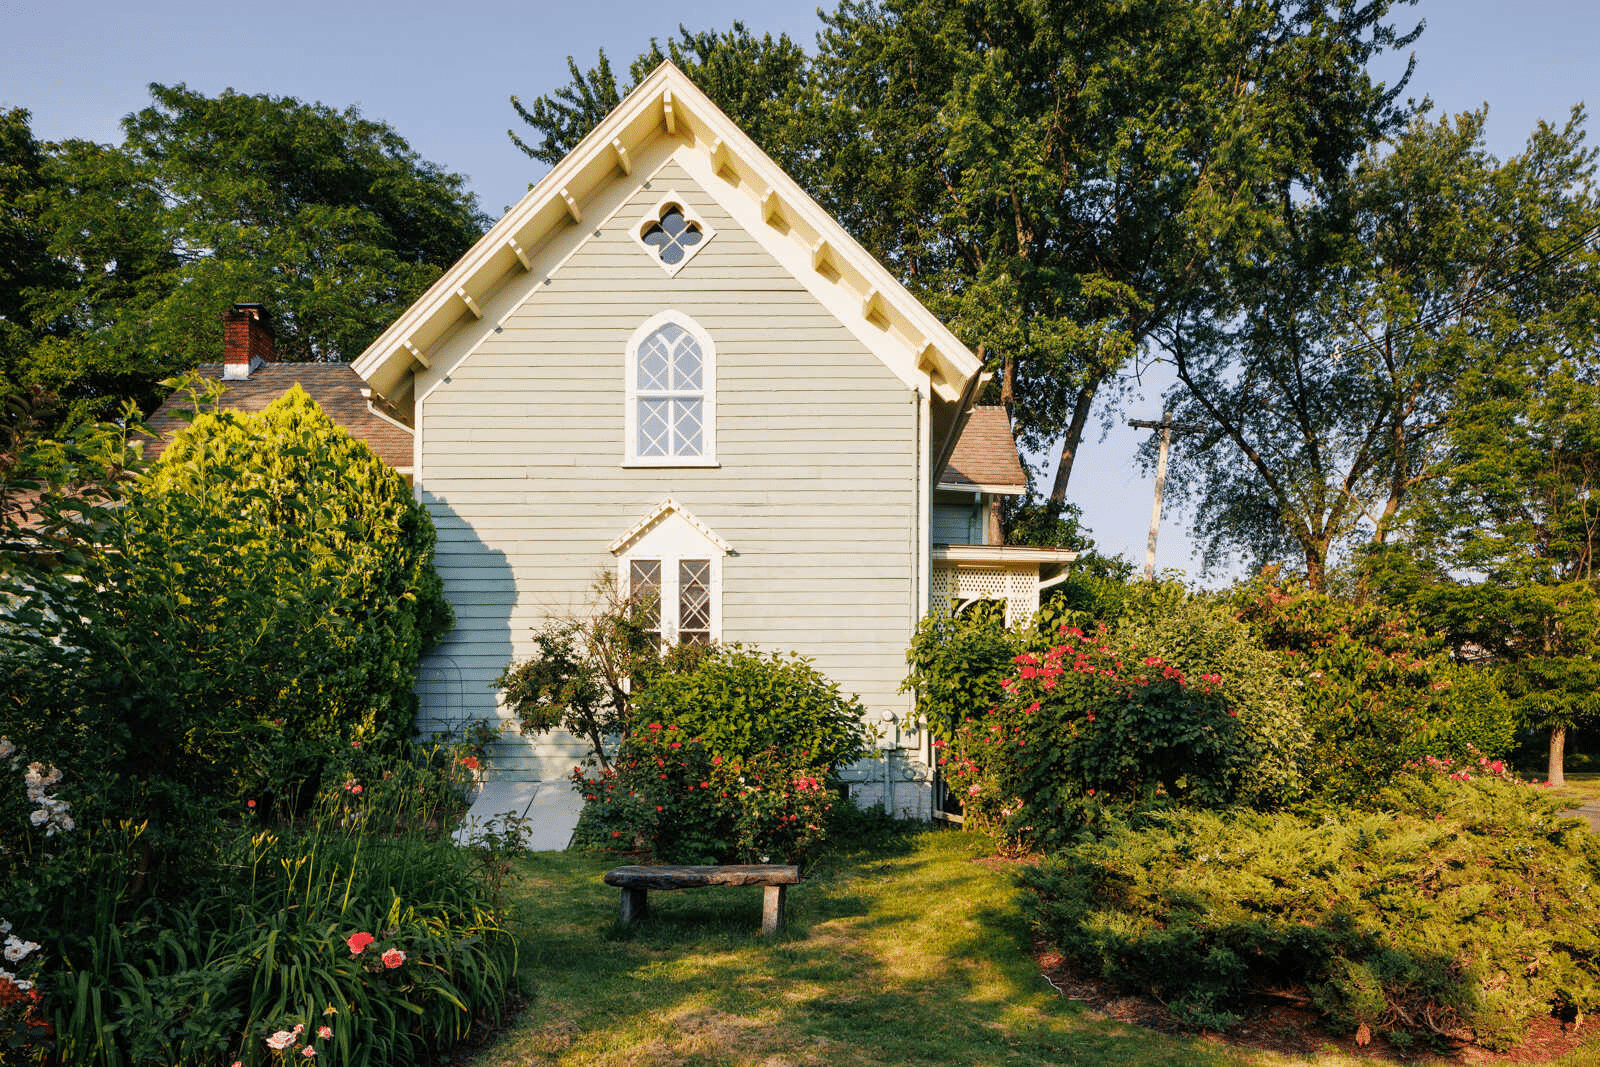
(1022, 596)
(1018, 588)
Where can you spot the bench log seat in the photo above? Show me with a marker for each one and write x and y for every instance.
(637, 882)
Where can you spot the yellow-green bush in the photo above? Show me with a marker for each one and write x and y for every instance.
(1460, 910)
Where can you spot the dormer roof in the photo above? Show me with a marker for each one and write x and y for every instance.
(985, 458)
(845, 278)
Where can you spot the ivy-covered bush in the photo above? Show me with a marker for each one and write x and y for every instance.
(1461, 911)
(1378, 691)
(735, 761)
(957, 664)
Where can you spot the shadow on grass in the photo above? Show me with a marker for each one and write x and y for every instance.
(921, 957)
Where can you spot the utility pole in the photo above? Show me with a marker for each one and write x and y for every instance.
(1167, 428)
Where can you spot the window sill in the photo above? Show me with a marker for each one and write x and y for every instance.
(671, 461)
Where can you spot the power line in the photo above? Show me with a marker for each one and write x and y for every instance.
(1568, 247)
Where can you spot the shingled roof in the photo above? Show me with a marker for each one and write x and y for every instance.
(335, 387)
(985, 457)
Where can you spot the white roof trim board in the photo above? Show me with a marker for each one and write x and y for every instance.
(667, 506)
(908, 338)
(1001, 554)
(975, 487)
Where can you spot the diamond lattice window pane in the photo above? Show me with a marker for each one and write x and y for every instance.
(687, 427)
(694, 595)
(644, 590)
(653, 432)
(686, 365)
(654, 362)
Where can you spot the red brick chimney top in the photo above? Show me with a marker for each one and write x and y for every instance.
(247, 341)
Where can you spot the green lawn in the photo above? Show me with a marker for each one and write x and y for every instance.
(913, 955)
(1582, 786)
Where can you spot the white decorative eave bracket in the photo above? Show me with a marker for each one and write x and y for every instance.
(871, 302)
(667, 507)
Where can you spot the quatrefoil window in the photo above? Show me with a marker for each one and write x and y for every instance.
(673, 236)
(672, 233)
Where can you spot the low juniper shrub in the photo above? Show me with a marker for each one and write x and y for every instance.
(1463, 909)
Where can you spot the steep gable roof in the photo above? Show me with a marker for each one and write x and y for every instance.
(858, 290)
(986, 456)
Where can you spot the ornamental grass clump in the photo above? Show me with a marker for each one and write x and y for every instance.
(1462, 912)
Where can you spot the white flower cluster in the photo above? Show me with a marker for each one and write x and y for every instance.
(16, 950)
(51, 815)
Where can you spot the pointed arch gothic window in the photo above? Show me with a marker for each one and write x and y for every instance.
(671, 394)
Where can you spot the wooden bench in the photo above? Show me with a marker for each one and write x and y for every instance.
(637, 882)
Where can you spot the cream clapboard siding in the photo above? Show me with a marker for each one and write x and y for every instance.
(816, 490)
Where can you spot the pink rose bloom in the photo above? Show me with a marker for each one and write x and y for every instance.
(393, 958)
(324, 1032)
(280, 1040)
(358, 942)
(308, 1052)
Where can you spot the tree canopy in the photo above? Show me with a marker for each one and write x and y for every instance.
(1059, 181)
(126, 255)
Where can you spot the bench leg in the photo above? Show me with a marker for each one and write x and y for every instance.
(772, 909)
(635, 905)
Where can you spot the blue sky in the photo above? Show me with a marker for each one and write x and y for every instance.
(441, 74)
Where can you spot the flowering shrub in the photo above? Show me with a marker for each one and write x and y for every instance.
(25, 1033)
(668, 795)
(733, 761)
(1379, 692)
(1092, 720)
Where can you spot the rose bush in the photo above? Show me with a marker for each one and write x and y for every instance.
(1172, 702)
(668, 795)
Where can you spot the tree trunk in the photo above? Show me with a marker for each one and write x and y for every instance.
(1069, 446)
(1316, 568)
(1558, 756)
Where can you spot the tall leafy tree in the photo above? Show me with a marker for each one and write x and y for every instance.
(1058, 179)
(330, 219)
(1503, 552)
(759, 81)
(1325, 373)
(25, 264)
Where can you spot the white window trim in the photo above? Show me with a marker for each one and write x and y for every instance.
(669, 588)
(670, 534)
(708, 403)
(653, 216)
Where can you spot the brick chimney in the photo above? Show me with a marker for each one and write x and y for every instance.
(247, 341)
